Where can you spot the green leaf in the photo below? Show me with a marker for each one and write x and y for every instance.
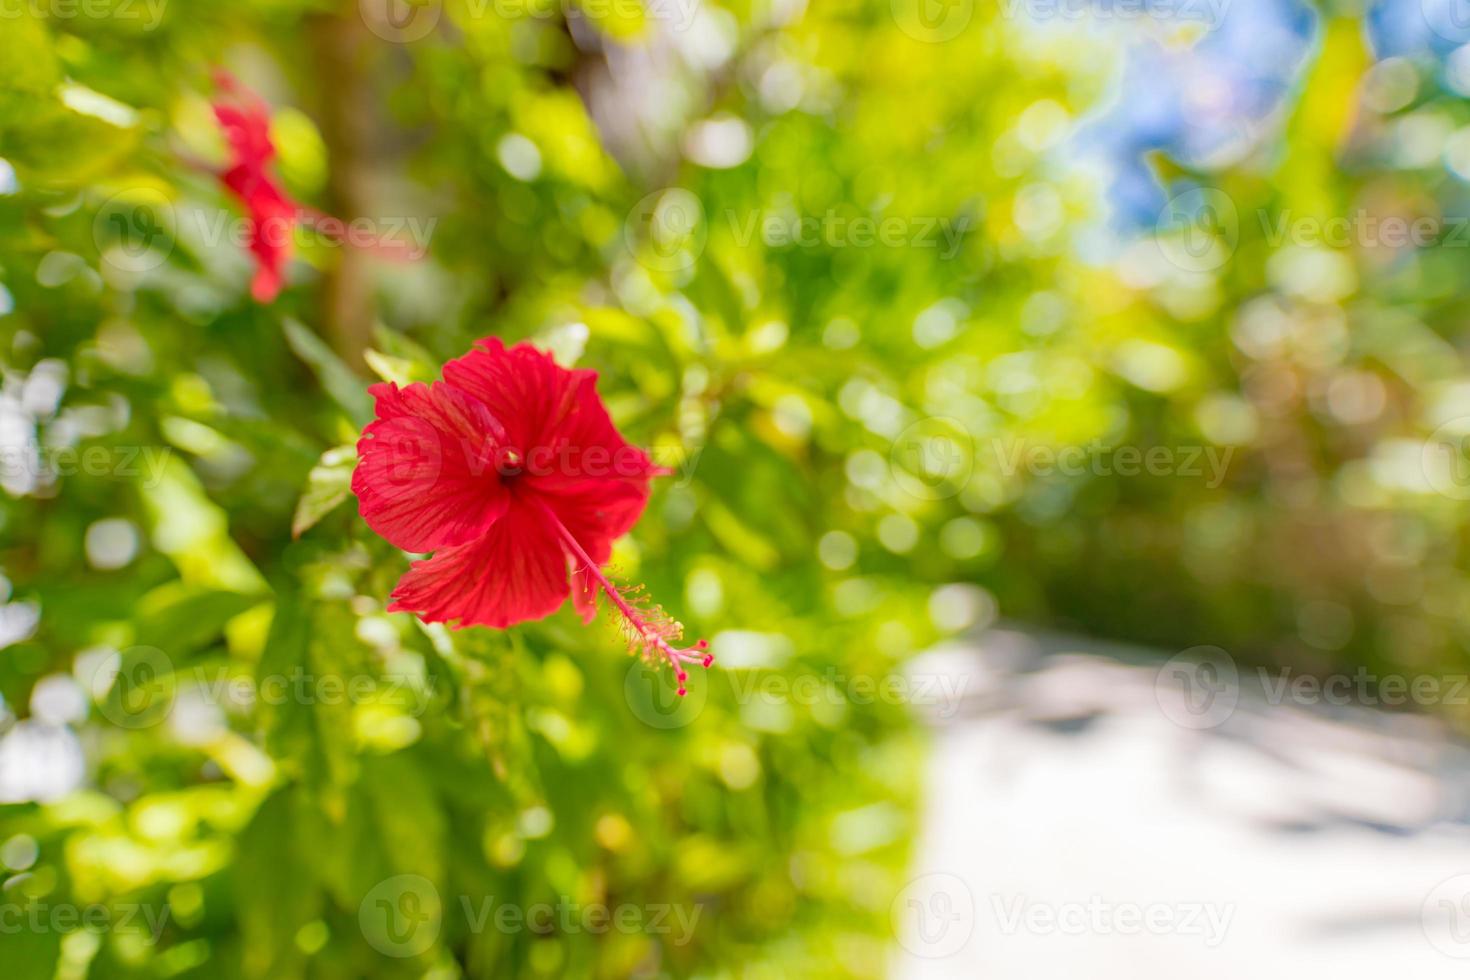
(192, 530)
(398, 370)
(339, 381)
(311, 653)
(31, 68)
(420, 364)
(27, 952)
(329, 483)
(409, 817)
(275, 889)
(178, 618)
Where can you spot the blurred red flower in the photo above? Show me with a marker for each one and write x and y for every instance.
(245, 119)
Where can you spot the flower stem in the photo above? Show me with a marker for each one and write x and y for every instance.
(652, 637)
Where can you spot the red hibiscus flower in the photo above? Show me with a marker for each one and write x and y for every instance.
(245, 119)
(511, 472)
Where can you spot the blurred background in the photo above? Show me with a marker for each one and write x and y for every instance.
(1070, 423)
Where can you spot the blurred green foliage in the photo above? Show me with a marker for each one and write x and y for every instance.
(839, 404)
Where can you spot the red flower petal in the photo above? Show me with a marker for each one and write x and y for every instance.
(522, 386)
(426, 477)
(585, 447)
(248, 131)
(596, 515)
(271, 218)
(585, 587)
(266, 284)
(571, 453)
(270, 213)
(515, 572)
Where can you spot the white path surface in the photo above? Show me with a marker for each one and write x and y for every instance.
(1074, 831)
